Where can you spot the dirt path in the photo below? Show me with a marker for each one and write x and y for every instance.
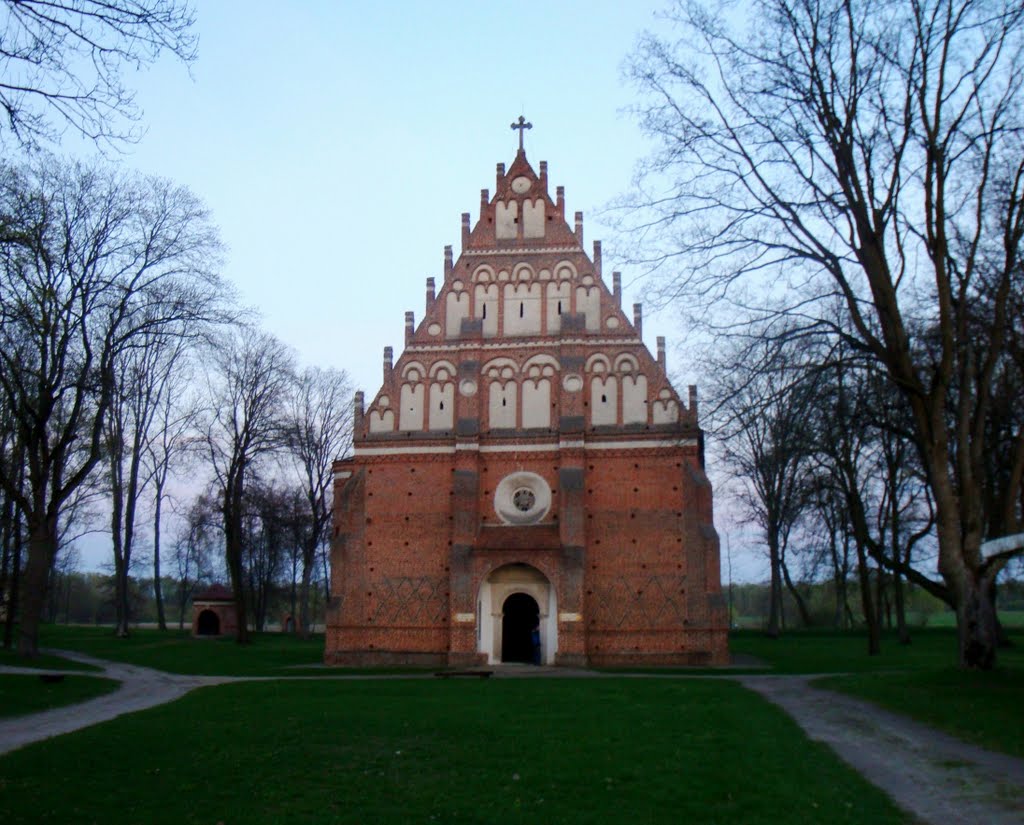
(937, 778)
(934, 777)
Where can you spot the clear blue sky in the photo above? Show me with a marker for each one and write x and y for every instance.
(337, 145)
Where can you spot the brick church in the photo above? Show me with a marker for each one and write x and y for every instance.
(526, 470)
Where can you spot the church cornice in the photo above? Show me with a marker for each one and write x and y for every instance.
(552, 446)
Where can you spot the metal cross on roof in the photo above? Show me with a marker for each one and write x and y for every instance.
(522, 126)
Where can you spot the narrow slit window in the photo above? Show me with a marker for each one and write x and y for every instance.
(485, 312)
(604, 399)
(559, 307)
(521, 305)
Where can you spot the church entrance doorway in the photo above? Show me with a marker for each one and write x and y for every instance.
(520, 616)
(513, 600)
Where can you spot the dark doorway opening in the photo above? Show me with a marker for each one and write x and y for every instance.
(208, 624)
(520, 616)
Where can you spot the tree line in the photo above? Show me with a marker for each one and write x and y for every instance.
(127, 367)
(837, 192)
(125, 363)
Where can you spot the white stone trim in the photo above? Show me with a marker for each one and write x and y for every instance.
(525, 448)
(639, 445)
(443, 449)
(448, 449)
(570, 617)
(467, 618)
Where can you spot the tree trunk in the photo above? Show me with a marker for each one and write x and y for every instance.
(120, 564)
(801, 605)
(884, 618)
(42, 548)
(14, 589)
(308, 562)
(158, 593)
(775, 591)
(1002, 636)
(870, 617)
(899, 597)
(233, 551)
(325, 558)
(976, 624)
(7, 539)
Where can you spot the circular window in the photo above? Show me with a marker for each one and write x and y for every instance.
(522, 498)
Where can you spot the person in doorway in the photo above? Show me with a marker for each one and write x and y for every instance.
(535, 640)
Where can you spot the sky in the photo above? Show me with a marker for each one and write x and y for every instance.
(337, 145)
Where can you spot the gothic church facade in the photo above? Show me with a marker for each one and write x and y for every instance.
(526, 469)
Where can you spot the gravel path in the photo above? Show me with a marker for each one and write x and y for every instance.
(936, 778)
(932, 776)
(141, 688)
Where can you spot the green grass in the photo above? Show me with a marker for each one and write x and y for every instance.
(947, 618)
(21, 694)
(43, 662)
(177, 651)
(983, 708)
(507, 751)
(832, 651)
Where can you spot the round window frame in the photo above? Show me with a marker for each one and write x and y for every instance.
(505, 505)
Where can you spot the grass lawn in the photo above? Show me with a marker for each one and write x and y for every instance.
(21, 694)
(834, 651)
(43, 661)
(507, 751)
(983, 708)
(176, 651)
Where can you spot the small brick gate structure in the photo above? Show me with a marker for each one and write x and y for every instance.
(213, 612)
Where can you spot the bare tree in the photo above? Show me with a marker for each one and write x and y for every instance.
(12, 534)
(319, 432)
(61, 63)
(140, 443)
(251, 374)
(90, 260)
(871, 153)
(173, 433)
(761, 409)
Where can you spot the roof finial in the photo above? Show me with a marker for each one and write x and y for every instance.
(522, 126)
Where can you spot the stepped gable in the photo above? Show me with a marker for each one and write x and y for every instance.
(522, 278)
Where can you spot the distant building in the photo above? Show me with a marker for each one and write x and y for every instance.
(525, 464)
(213, 612)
